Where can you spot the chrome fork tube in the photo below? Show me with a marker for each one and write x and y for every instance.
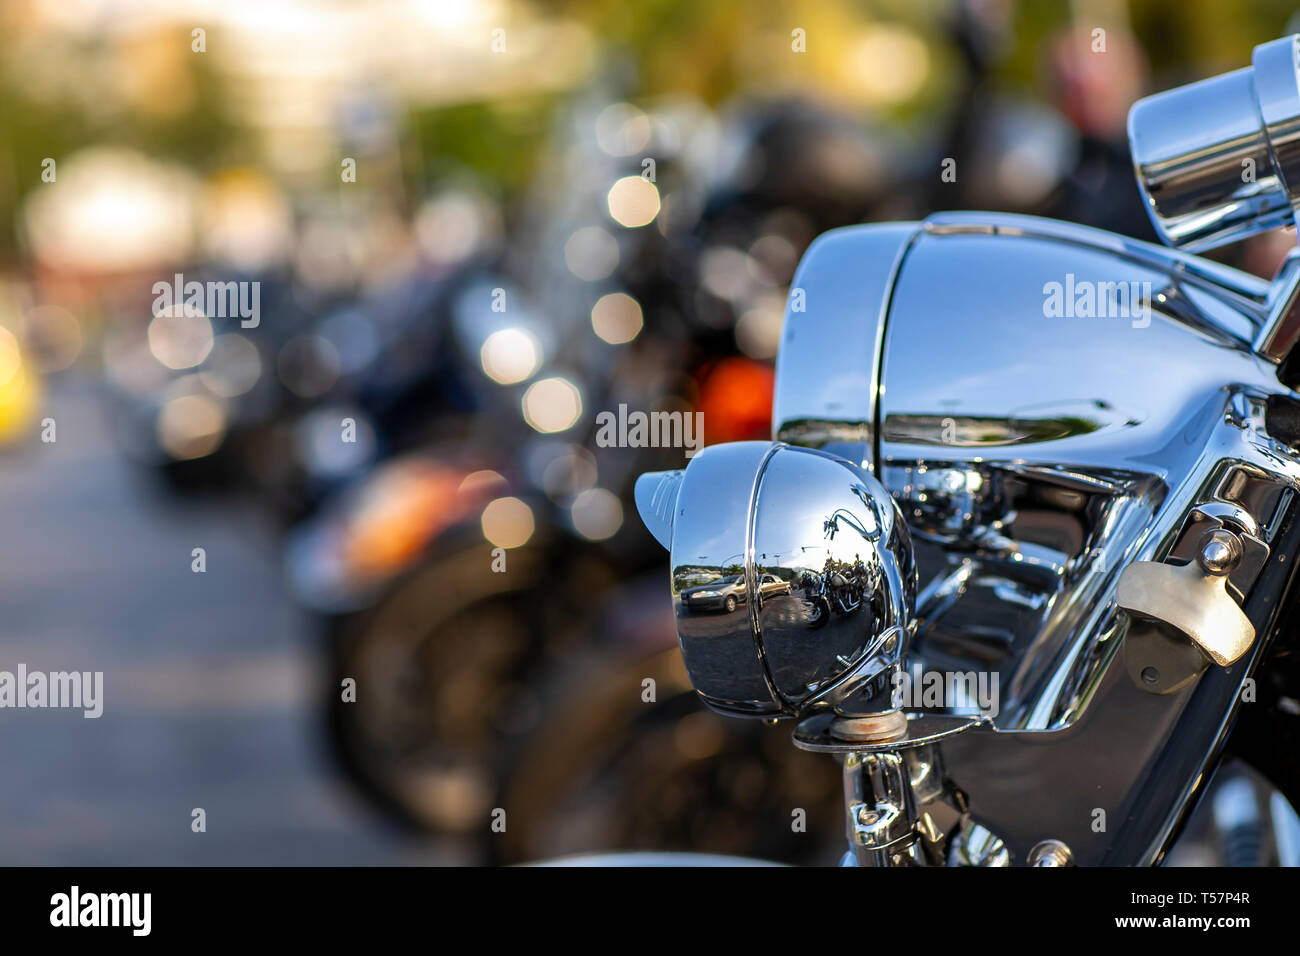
(881, 816)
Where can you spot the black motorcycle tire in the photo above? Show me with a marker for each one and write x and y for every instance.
(821, 612)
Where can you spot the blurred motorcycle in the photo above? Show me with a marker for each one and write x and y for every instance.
(424, 735)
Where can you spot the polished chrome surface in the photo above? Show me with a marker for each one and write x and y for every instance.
(880, 810)
(817, 734)
(974, 845)
(1053, 410)
(1050, 853)
(899, 807)
(1281, 327)
(1219, 160)
(829, 358)
(1036, 457)
(792, 578)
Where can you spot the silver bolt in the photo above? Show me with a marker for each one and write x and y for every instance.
(1050, 853)
(1220, 552)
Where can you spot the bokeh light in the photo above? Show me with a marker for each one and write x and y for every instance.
(552, 405)
(246, 219)
(617, 318)
(114, 209)
(597, 514)
(633, 201)
(191, 426)
(889, 64)
(20, 389)
(308, 365)
(233, 367)
(510, 356)
(622, 129)
(479, 482)
(454, 226)
(571, 471)
(180, 337)
(507, 522)
(591, 253)
(758, 330)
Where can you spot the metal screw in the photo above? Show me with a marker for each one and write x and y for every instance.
(1051, 853)
(1220, 552)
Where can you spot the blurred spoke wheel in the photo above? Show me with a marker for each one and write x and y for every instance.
(441, 669)
(617, 772)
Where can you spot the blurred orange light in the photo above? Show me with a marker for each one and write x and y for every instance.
(407, 504)
(736, 399)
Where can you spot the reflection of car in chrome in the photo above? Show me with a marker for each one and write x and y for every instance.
(726, 593)
(770, 586)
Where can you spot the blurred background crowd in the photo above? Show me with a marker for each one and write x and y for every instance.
(473, 225)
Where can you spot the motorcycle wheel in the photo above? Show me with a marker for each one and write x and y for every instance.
(819, 613)
(616, 771)
(444, 671)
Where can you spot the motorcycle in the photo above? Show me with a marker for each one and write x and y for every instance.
(426, 627)
(840, 590)
(1071, 460)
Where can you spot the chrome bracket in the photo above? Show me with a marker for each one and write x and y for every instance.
(1194, 593)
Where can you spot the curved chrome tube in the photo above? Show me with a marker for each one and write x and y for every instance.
(1219, 160)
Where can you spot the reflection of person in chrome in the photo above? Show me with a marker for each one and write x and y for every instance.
(814, 587)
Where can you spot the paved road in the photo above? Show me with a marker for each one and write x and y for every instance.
(208, 678)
